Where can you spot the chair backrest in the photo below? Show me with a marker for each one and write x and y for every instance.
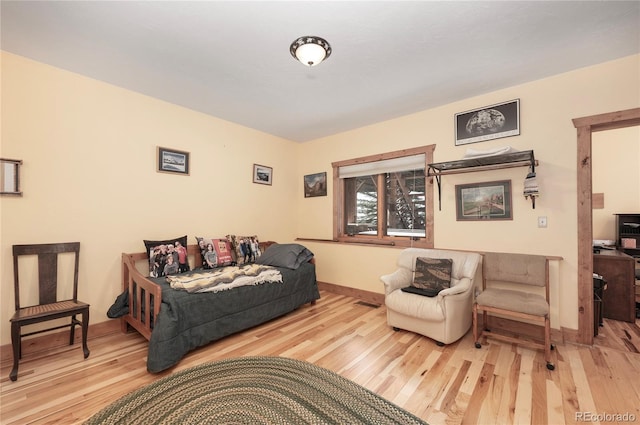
(522, 269)
(47, 269)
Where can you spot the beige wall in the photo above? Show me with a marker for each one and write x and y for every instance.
(547, 108)
(89, 152)
(616, 174)
(89, 175)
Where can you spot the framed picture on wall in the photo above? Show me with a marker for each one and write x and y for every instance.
(172, 161)
(484, 201)
(10, 176)
(262, 174)
(315, 185)
(488, 123)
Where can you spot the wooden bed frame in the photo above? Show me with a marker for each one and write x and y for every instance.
(145, 297)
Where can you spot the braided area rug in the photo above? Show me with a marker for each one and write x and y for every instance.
(253, 390)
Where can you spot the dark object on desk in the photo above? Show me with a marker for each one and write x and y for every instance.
(618, 269)
(628, 233)
(598, 248)
(599, 286)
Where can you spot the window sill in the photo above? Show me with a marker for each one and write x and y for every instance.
(389, 243)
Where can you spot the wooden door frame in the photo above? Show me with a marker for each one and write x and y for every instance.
(585, 127)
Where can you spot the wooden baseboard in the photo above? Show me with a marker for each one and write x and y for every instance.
(527, 329)
(52, 340)
(61, 338)
(48, 341)
(367, 296)
(569, 335)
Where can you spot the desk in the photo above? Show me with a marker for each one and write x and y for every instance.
(618, 269)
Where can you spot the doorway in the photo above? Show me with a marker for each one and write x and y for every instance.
(585, 127)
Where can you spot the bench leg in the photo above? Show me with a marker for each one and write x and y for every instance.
(474, 323)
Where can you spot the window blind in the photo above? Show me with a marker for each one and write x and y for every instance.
(394, 165)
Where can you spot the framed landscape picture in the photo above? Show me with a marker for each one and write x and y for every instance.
(262, 174)
(484, 201)
(488, 123)
(315, 185)
(172, 161)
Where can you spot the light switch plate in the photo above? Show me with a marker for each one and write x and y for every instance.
(542, 221)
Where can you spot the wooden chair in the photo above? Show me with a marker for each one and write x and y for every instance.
(507, 281)
(48, 307)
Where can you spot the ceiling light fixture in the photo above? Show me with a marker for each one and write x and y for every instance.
(310, 50)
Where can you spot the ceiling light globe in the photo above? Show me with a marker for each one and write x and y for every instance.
(310, 54)
(310, 50)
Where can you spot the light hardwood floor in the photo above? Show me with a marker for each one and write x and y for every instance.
(497, 384)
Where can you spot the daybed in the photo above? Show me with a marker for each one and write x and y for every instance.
(183, 321)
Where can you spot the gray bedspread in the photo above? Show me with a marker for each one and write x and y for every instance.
(187, 321)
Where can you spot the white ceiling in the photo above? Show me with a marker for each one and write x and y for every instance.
(231, 59)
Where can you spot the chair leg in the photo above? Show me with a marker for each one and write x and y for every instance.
(16, 344)
(72, 333)
(85, 328)
(547, 343)
(485, 320)
(474, 324)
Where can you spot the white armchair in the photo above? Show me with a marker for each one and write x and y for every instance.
(444, 318)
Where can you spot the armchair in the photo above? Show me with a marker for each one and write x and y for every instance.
(444, 318)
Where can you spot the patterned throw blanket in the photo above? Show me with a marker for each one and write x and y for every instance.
(225, 278)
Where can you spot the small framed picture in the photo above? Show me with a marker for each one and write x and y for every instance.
(10, 176)
(262, 174)
(488, 123)
(172, 161)
(484, 201)
(315, 185)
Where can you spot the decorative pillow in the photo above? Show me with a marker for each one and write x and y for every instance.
(431, 276)
(289, 255)
(246, 249)
(167, 257)
(215, 252)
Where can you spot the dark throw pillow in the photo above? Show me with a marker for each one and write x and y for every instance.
(159, 252)
(289, 255)
(431, 276)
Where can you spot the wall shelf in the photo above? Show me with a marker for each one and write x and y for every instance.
(486, 163)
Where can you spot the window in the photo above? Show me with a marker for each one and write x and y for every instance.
(385, 199)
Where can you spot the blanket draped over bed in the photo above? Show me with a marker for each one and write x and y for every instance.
(190, 320)
(225, 278)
